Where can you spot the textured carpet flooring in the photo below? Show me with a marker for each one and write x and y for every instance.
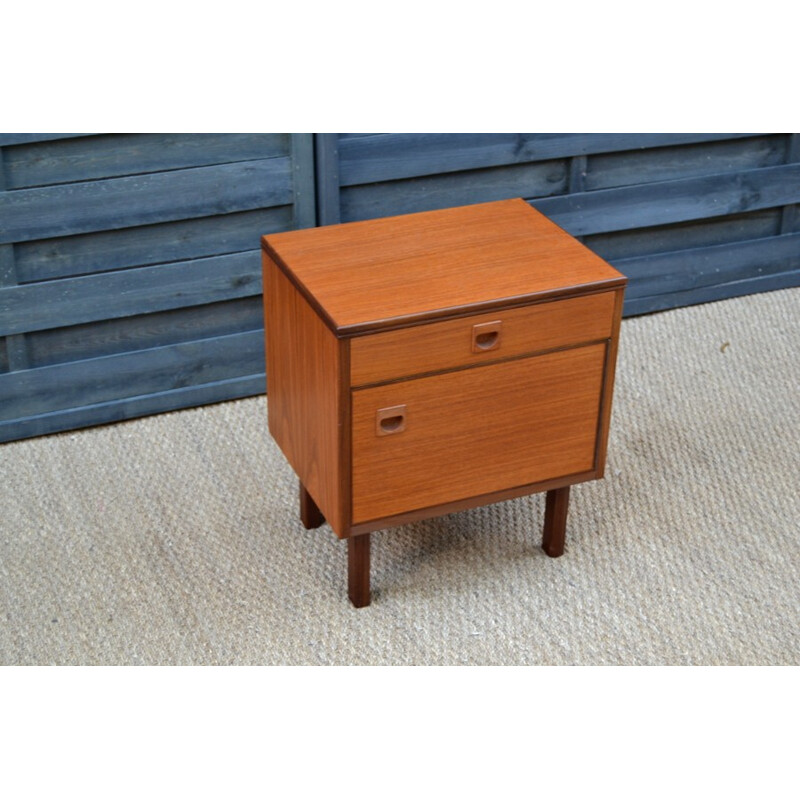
(175, 539)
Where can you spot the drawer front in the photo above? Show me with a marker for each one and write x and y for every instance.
(436, 439)
(462, 342)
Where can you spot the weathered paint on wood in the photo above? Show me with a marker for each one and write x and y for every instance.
(328, 179)
(33, 392)
(379, 157)
(144, 331)
(453, 189)
(145, 245)
(304, 182)
(130, 270)
(706, 294)
(71, 301)
(635, 167)
(683, 270)
(130, 407)
(144, 199)
(25, 138)
(684, 235)
(118, 155)
(673, 201)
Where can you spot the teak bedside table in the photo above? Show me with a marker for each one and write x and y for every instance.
(432, 362)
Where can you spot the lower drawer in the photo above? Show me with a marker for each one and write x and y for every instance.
(433, 440)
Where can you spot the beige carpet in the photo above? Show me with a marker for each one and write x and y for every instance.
(175, 539)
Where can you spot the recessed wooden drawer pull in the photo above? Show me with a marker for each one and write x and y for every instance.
(486, 336)
(390, 420)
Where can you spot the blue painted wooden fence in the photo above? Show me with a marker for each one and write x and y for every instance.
(129, 264)
(130, 270)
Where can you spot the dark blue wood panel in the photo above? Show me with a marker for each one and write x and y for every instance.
(130, 270)
(113, 155)
(707, 294)
(685, 235)
(688, 161)
(453, 189)
(673, 201)
(70, 301)
(145, 245)
(328, 179)
(33, 392)
(382, 157)
(123, 202)
(25, 138)
(129, 407)
(684, 270)
(144, 331)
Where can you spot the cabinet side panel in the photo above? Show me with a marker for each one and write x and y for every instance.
(303, 369)
(608, 386)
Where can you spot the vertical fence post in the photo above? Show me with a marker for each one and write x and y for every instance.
(303, 181)
(577, 178)
(16, 345)
(326, 149)
(789, 215)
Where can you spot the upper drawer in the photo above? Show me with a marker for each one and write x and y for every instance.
(479, 339)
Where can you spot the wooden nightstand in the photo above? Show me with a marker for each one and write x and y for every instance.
(432, 362)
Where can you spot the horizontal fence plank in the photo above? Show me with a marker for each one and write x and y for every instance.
(27, 138)
(673, 201)
(682, 270)
(454, 189)
(686, 235)
(147, 245)
(688, 161)
(144, 331)
(115, 155)
(83, 383)
(71, 301)
(124, 202)
(131, 407)
(384, 157)
(708, 294)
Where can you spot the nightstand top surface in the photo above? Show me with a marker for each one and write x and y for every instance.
(373, 274)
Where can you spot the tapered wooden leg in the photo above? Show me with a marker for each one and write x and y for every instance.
(358, 570)
(310, 515)
(555, 521)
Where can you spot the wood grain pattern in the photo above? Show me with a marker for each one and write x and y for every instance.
(129, 376)
(448, 344)
(477, 431)
(144, 199)
(122, 408)
(694, 268)
(477, 500)
(668, 201)
(303, 364)
(93, 298)
(392, 156)
(116, 155)
(452, 189)
(366, 275)
(144, 245)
